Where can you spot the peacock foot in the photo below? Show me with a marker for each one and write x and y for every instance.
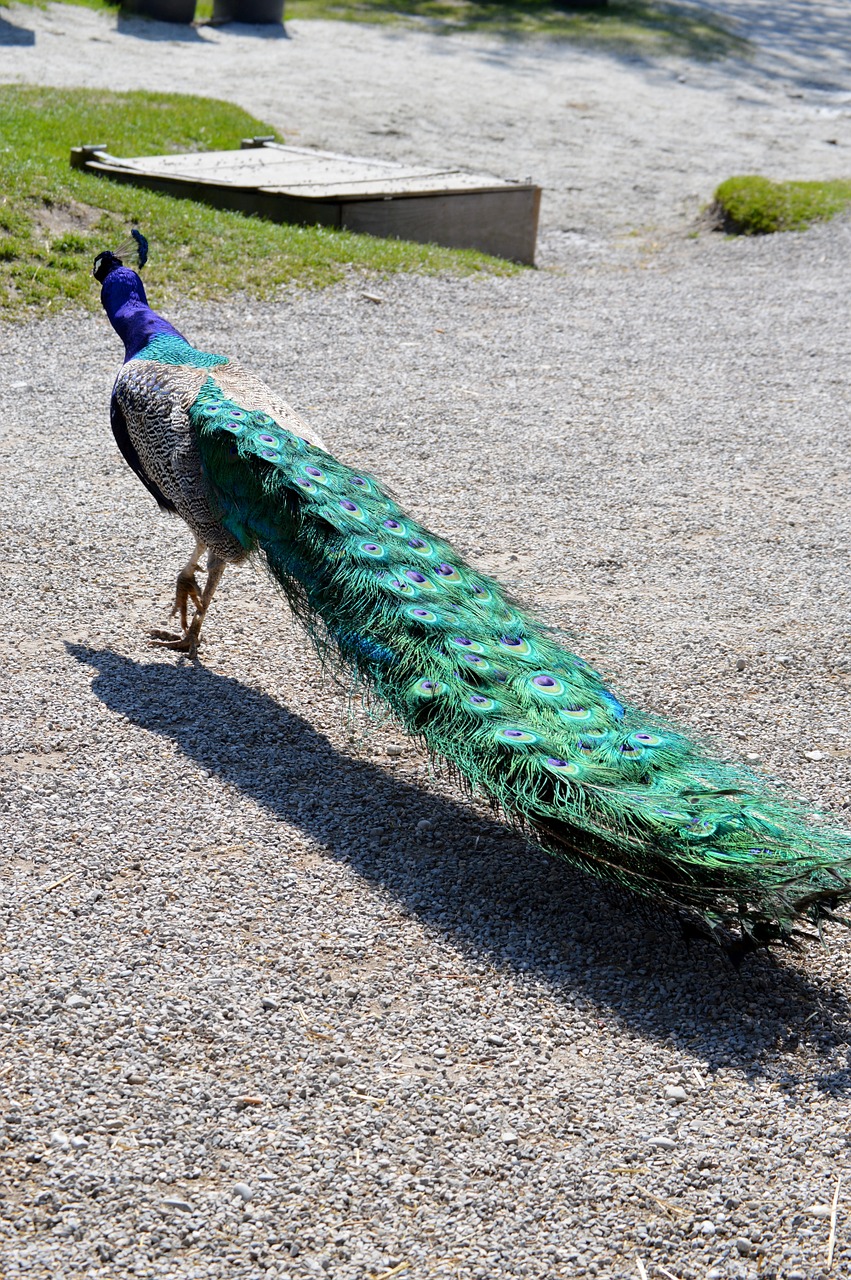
(187, 643)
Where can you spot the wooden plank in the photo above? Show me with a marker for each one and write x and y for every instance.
(291, 169)
(274, 207)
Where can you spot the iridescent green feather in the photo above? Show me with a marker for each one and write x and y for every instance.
(493, 692)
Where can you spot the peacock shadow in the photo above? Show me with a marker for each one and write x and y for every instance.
(489, 893)
(12, 34)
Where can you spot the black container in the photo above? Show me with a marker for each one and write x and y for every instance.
(162, 10)
(248, 11)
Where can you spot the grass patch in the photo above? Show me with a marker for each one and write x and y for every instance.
(753, 206)
(55, 219)
(647, 28)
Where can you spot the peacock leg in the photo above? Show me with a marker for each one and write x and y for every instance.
(188, 589)
(187, 586)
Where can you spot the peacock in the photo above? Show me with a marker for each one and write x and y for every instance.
(484, 686)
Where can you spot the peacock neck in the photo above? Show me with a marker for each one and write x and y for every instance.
(125, 303)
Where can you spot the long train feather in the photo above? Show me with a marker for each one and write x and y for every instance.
(486, 687)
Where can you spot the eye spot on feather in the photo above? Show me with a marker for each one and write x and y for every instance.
(421, 615)
(403, 588)
(428, 689)
(394, 526)
(421, 547)
(304, 483)
(575, 713)
(419, 580)
(352, 509)
(372, 549)
(557, 765)
(481, 704)
(516, 645)
(516, 736)
(647, 740)
(469, 646)
(547, 684)
(448, 573)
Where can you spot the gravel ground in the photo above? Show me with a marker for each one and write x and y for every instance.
(276, 1001)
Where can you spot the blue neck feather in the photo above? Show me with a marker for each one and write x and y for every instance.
(125, 303)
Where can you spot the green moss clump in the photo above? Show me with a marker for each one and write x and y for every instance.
(755, 206)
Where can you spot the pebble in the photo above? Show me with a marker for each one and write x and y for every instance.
(743, 1246)
(675, 1093)
(174, 1202)
(394, 750)
(813, 755)
(270, 1004)
(820, 1210)
(60, 1140)
(509, 1138)
(663, 1143)
(707, 1228)
(242, 1190)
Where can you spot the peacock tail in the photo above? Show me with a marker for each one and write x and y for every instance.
(493, 692)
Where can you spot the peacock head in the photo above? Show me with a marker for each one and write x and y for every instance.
(123, 295)
(135, 250)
